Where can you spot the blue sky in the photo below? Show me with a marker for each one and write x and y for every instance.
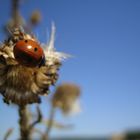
(104, 38)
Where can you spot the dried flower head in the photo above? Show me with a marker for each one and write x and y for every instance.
(66, 96)
(35, 17)
(21, 84)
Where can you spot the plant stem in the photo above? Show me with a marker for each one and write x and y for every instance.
(15, 12)
(38, 120)
(50, 124)
(8, 133)
(23, 123)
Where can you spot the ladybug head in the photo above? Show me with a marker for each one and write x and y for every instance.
(28, 52)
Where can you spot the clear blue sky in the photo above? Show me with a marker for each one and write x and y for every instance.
(104, 38)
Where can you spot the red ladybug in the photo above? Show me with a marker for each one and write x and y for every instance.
(29, 53)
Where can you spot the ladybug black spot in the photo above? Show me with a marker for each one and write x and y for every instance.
(26, 41)
(35, 49)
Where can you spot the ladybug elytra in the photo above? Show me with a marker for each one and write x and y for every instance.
(28, 52)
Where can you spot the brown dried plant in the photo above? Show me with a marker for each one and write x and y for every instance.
(23, 85)
(64, 98)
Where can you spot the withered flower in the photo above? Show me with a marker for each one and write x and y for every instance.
(22, 84)
(65, 97)
(35, 17)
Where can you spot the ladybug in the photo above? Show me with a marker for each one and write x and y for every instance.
(29, 53)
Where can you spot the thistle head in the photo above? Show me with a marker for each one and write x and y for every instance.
(22, 80)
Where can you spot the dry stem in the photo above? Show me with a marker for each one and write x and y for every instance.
(23, 122)
(15, 12)
(8, 133)
(50, 124)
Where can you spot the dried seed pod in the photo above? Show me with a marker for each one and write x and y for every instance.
(35, 17)
(65, 96)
